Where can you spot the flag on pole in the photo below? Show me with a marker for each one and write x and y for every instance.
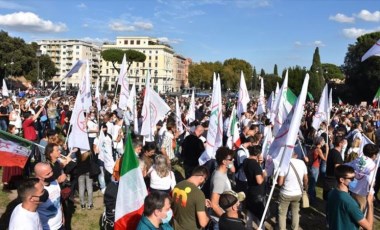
(123, 71)
(270, 103)
(261, 102)
(363, 141)
(373, 51)
(97, 96)
(283, 144)
(323, 109)
(280, 113)
(268, 138)
(233, 137)
(215, 128)
(290, 100)
(311, 98)
(340, 101)
(243, 98)
(78, 137)
(132, 190)
(375, 100)
(5, 92)
(178, 116)
(75, 68)
(14, 150)
(131, 104)
(154, 109)
(85, 90)
(190, 117)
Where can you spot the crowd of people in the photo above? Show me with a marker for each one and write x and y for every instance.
(228, 192)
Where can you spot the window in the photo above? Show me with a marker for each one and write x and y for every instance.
(156, 51)
(77, 47)
(132, 42)
(113, 71)
(106, 71)
(144, 64)
(150, 51)
(156, 57)
(125, 42)
(150, 65)
(155, 65)
(77, 53)
(137, 64)
(137, 42)
(150, 57)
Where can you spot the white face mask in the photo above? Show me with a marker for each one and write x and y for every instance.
(230, 165)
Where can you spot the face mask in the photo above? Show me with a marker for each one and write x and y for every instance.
(201, 185)
(44, 197)
(49, 179)
(92, 117)
(230, 165)
(352, 185)
(169, 216)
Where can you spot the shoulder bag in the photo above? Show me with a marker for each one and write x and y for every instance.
(305, 199)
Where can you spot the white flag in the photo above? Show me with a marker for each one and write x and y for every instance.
(374, 51)
(243, 98)
(97, 96)
(280, 113)
(5, 89)
(133, 108)
(85, 90)
(215, 128)
(123, 71)
(154, 109)
(75, 68)
(364, 140)
(190, 117)
(78, 137)
(268, 138)
(323, 109)
(261, 102)
(282, 146)
(233, 133)
(178, 116)
(270, 103)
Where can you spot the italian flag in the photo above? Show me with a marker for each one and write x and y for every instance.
(340, 101)
(132, 191)
(375, 100)
(290, 100)
(233, 141)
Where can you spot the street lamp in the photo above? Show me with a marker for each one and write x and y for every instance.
(155, 80)
(38, 55)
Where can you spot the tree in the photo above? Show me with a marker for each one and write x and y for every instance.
(362, 78)
(262, 73)
(270, 82)
(331, 71)
(116, 56)
(316, 73)
(231, 73)
(275, 70)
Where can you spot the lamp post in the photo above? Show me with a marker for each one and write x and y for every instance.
(38, 55)
(156, 80)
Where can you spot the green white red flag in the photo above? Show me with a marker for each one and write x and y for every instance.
(375, 100)
(233, 137)
(132, 191)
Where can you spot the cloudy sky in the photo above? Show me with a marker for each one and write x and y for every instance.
(263, 32)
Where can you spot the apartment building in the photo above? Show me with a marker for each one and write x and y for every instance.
(167, 69)
(65, 52)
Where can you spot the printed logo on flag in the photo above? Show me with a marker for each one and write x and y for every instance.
(153, 112)
(81, 123)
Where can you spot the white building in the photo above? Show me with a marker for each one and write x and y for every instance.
(65, 52)
(161, 61)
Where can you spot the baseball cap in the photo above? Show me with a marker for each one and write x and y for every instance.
(229, 198)
(119, 113)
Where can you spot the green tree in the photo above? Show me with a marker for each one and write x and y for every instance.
(270, 82)
(275, 70)
(116, 56)
(316, 75)
(231, 73)
(362, 78)
(331, 71)
(262, 73)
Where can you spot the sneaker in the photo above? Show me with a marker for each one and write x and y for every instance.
(89, 207)
(83, 206)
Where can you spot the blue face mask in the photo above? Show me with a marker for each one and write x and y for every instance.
(352, 185)
(169, 216)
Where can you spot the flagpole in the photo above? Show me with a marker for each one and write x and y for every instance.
(67, 134)
(373, 180)
(299, 142)
(272, 189)
(21, 139)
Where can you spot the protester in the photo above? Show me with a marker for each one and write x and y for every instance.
(242, 154)
(293, 183)
(161, 177)
(50, 211)
(232, 218)
(192, 148)
(189, 203)
(314, 162)
(157, 212)
(25, 216)
(84, 180)
(344, 213)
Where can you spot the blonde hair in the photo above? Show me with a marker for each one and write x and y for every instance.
(161, 166)
(355, 143)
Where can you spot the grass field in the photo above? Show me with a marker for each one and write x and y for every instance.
(311, 218)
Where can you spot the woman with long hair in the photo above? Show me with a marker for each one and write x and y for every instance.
(316, 157)
(161, 177)
(82, 171)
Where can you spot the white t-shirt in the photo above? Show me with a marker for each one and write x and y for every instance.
(291, 186)
(105, 153)
(117, 145)
(50, 212)
(24, 219)
(109, 127)
(92, 125)
(164, 183)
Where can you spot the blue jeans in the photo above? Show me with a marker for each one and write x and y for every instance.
(102, 183)
(3, 125)
(314, 172)
(52, 121)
